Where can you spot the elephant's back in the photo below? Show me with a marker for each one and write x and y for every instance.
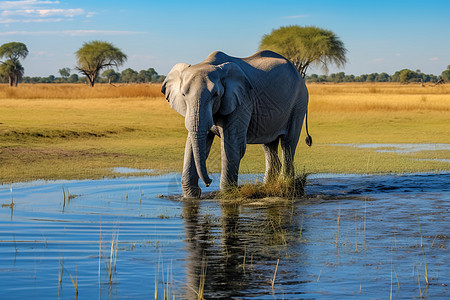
(268, 60)
(277, 89)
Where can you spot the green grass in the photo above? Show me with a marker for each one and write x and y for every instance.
(71, 138)
(284, 187)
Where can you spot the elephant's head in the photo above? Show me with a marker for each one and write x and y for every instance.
(200, 91)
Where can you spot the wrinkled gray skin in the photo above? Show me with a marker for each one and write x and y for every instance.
(261, 99)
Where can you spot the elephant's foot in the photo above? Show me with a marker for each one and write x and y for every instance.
(191, 192)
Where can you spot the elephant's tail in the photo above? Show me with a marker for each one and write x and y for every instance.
(308, 139)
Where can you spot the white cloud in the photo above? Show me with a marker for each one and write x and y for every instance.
(33, 11)
(61, 12)
(434, 59)
(377, 60)
(70, 32)
(24, 4)
(26, 20)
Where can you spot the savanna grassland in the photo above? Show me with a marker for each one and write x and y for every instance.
(63, 131)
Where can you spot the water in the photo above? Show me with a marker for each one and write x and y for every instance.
(399, 148)
(353, 236)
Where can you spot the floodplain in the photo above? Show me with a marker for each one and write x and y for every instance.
(91, 202)
(77, 132)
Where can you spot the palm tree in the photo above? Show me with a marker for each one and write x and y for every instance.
(97, 55)
(11, 67)
(305, 46)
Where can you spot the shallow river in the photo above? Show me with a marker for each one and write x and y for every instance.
(363, 236)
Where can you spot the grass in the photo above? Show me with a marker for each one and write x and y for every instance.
(63, 131)
(284, 187)
(11, 205)
(111, 265)
(275, 274)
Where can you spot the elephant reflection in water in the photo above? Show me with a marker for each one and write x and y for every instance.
(236, 249)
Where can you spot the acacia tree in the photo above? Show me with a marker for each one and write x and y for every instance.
(97, 55)
(306, 46)
(11, 67)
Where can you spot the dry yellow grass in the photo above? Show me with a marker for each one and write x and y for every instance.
(79, 91)
(378, 97)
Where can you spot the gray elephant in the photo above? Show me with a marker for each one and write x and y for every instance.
(261, 99)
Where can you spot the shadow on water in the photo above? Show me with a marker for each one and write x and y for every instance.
(365, 236)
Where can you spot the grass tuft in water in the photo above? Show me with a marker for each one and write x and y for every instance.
(60, 272)
(11, 205)
(423, 252)
(201, 286)
(74, 281)
(283, 187)
(275, 273)
(111, 266)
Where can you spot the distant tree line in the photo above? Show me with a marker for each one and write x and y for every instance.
(402, 76)
(98, 61)
(109, 76)
(92, 58)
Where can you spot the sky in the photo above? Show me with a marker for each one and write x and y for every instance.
(380, 36)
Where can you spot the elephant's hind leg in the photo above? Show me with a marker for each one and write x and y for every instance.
(288, 149)
(273, 164)
(289, 141)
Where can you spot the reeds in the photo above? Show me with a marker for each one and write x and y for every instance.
(201, 286)
(61, 275)
(74, 281)
(11, 205)
(111, 266)
(275, 273)
(423, 252)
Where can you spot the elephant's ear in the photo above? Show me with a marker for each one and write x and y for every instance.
(171, 88)
(237, 87)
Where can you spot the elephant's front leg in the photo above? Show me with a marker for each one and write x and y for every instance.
(189, 177)
(233, 149)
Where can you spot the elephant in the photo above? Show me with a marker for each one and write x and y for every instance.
(260, 99)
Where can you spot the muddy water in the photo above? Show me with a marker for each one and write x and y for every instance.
(352, 236)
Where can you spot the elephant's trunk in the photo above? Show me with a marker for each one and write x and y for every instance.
(198, 141)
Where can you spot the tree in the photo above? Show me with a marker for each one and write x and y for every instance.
(11, 67)
(64, 72)
(111, 75)
(305, 46)
(383, 77)
(73, 78)
(147, 75)
(446, 74)
(128, 75)
(407, 75)
(97, 55)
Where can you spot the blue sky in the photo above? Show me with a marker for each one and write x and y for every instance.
(381, 36)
